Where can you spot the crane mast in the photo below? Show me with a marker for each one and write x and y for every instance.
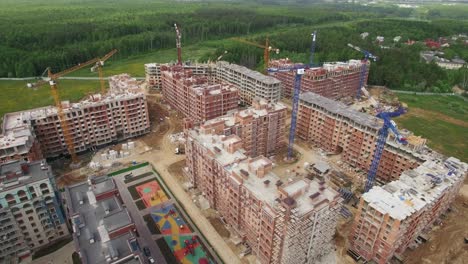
(178, 45)
(362, 76)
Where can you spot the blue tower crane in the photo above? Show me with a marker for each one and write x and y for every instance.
(381, 140)
(299, 70)
(362, 76)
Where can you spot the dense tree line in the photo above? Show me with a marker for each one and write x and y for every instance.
(399, 65)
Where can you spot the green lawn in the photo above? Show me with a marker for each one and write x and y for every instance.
(135, 64)
(16, 96)
(448, 105)
(443, 135)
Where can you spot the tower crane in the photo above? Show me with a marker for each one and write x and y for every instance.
(312, 49)
(362, 76)
(178, 44)
(266, 50)
(99, 65)
(299, 70)
(52, 80)
(389, 125)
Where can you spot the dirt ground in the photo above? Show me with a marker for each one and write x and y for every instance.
(445, 245)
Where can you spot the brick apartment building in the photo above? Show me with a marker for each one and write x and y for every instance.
(261, 127)
(333, 80)
(30, 213)
(95, 121)
(251, 84)
(103, 230)
(337, 128)
(393, 217)
(195, 96)
(289, 223)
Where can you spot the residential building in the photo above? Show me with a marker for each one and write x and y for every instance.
(289, 223)
(395, 216)
(436, 56)
(339, 129)
(30, 212)
(261, 127)
(251, 84)
(103, 230)
(19, 143)
(333, 80)
(120, 114)
(195, 96)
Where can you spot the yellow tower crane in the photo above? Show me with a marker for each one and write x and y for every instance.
(266, 49)
(52, 80)
(99, 65)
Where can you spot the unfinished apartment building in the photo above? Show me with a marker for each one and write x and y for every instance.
(30, 214)
(397, 215)
(195, 96)
(103, 230)
(288, 223)
(333, 80)
(261, 127)
(19, 143)
(336, 128)
(95, 121)
(251, 84)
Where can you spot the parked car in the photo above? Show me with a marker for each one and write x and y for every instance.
(146, 251)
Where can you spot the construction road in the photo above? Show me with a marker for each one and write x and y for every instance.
(161, 159)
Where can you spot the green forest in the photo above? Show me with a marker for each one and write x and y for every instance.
(36, 34)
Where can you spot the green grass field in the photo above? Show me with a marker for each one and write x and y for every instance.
(442, 121)
(16, 96)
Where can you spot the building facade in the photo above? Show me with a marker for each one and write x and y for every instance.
(336, 128)
(95, 121)
(30, 209)
(392, 217)
(282, 222)
(261, 127)
(333, 80)
(195, 96)
(251, 84)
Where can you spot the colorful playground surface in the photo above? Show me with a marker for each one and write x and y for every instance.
(187, 249)
(169, 221)
(151, 193)
(179, 236)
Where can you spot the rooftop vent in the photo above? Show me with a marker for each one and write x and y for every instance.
(315, 195)
(244, 173)
(266, 182)
(217, 149)
(278, 183)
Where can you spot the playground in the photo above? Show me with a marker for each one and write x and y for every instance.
(151, 193)
(178, 235)
(187, 249)
(169, 221)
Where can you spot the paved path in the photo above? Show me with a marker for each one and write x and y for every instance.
(145, 239)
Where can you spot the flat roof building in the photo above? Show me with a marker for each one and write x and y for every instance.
(261, 127)
(290, 222)
(103, 230)
(332, 80)
(392, 217)
(30, 209)
(94, 121)
(337, 128)
(251, 84)
(195, 96)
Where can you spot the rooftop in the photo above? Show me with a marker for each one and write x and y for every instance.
(94, 220)
(342, 110)
(17, 173)
(249, 73)
(217, 146)
(416, 188)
